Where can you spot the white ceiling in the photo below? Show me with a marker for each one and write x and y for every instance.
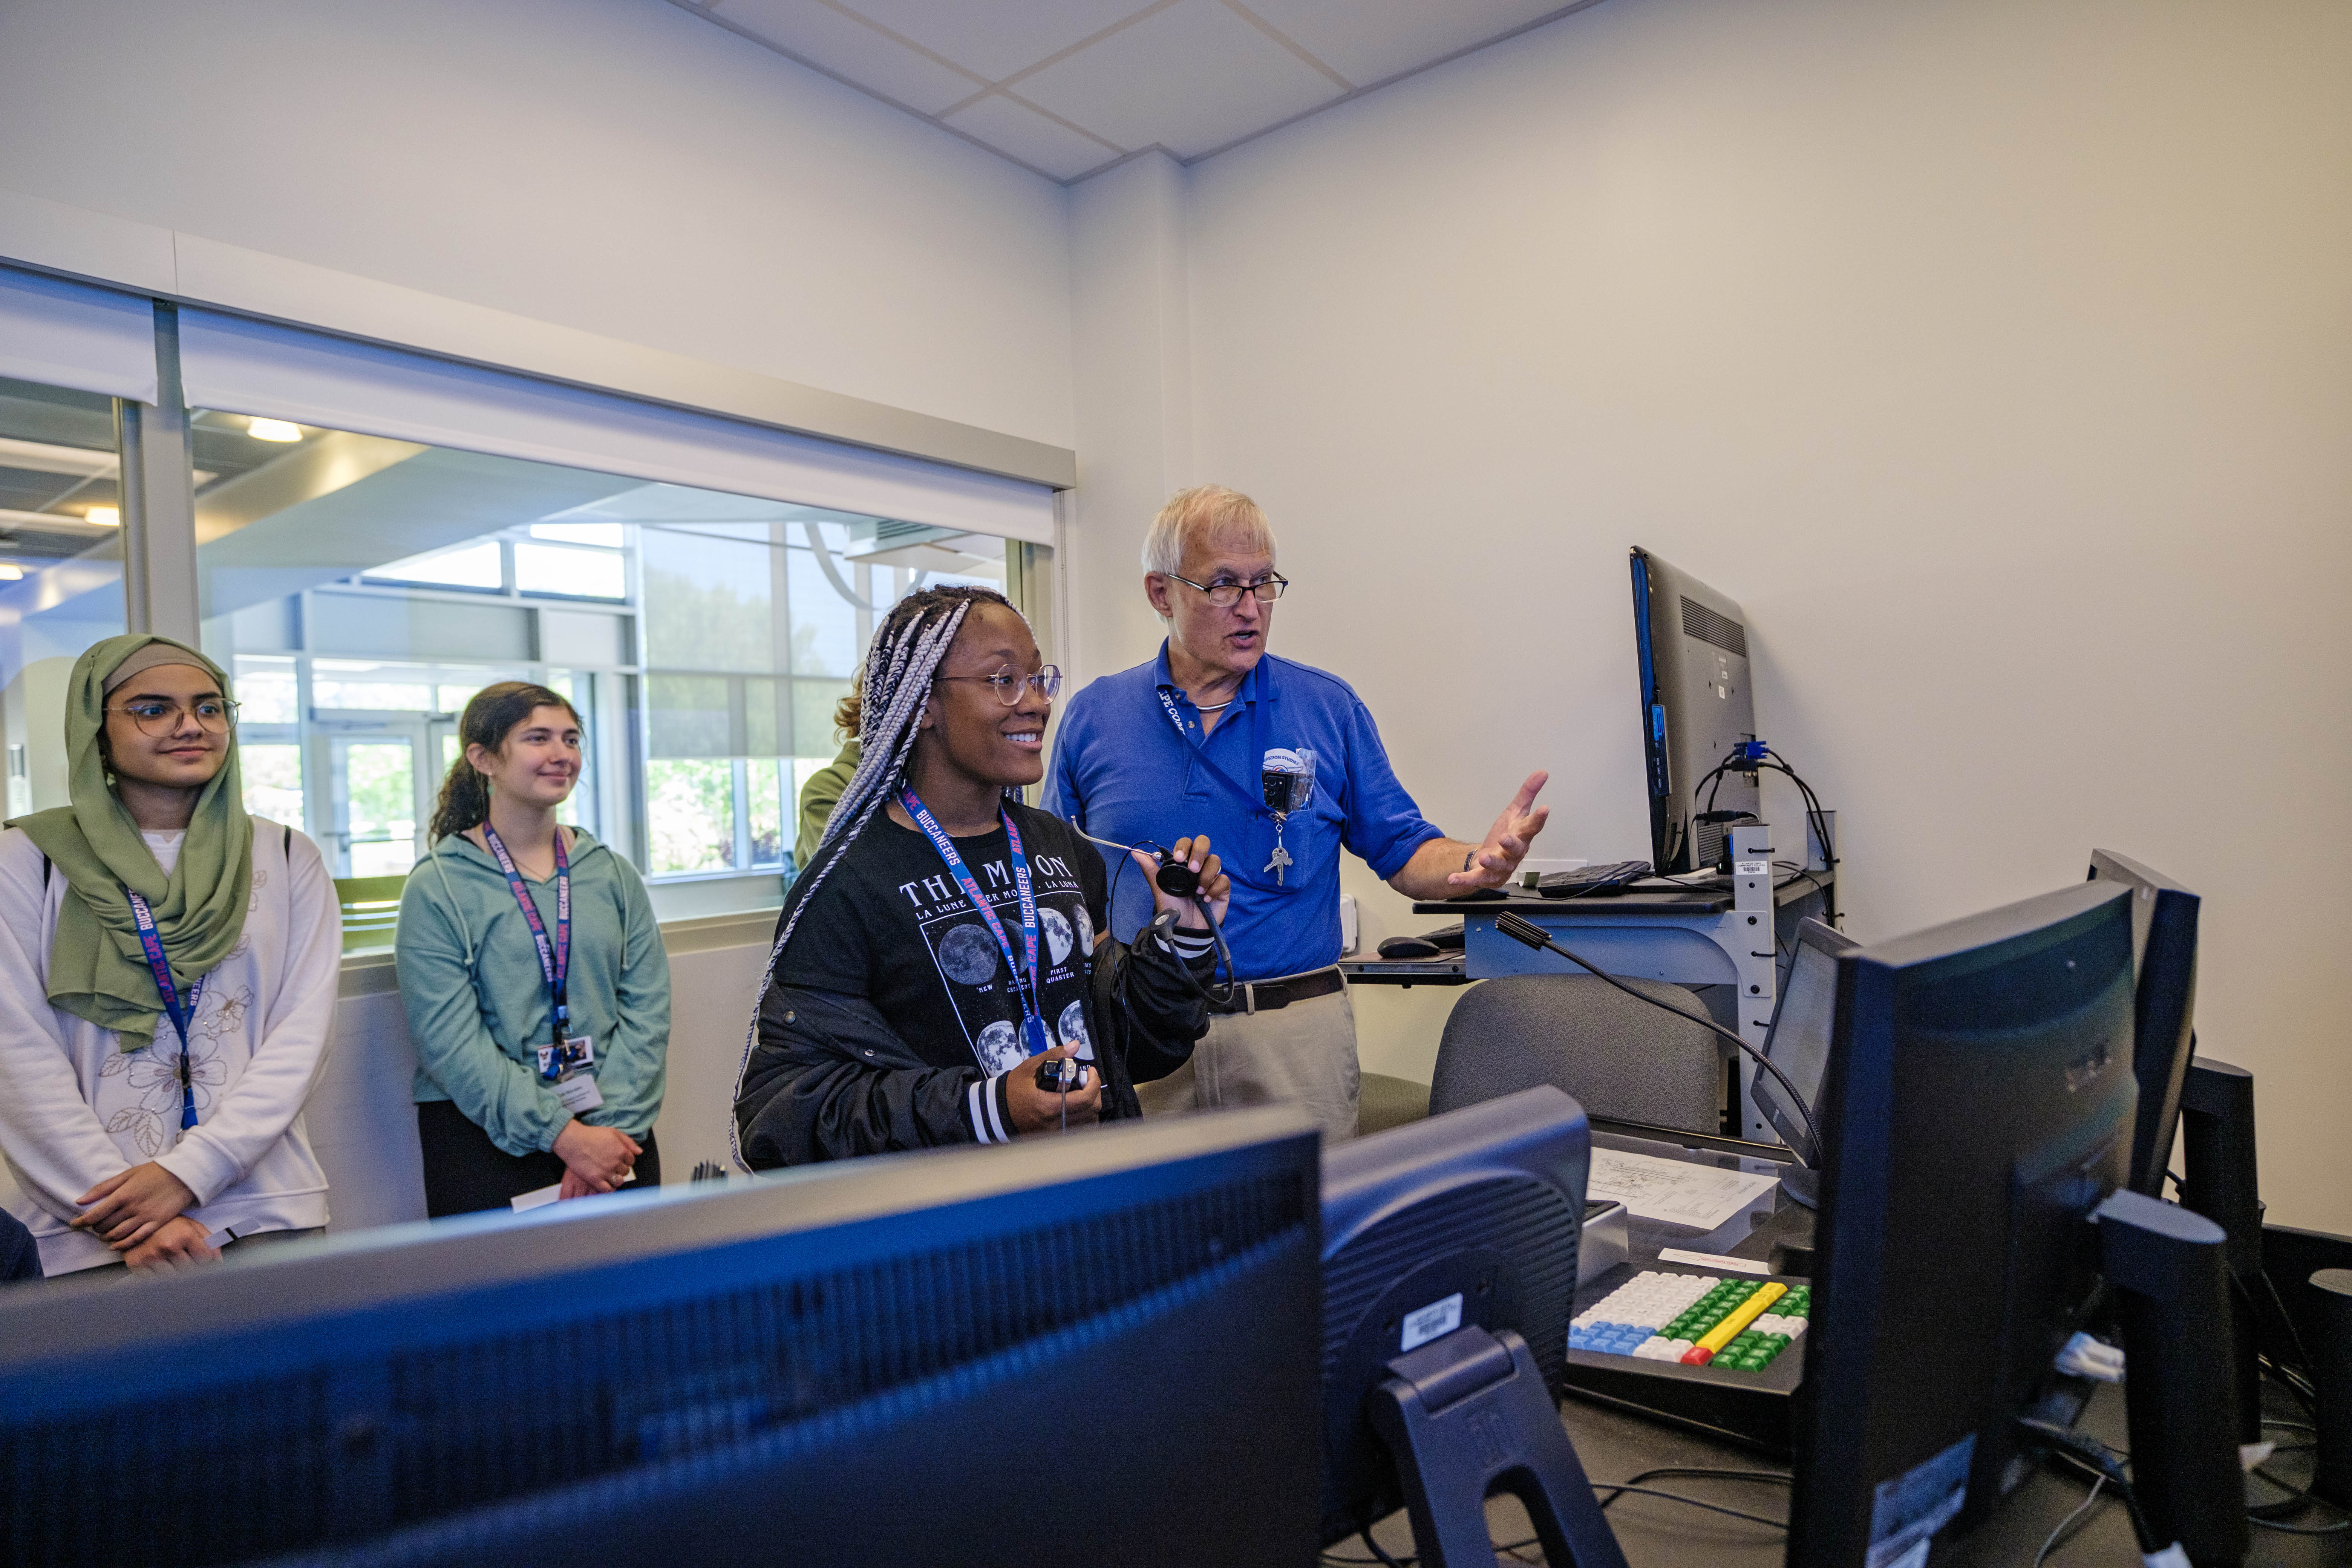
(1065, 87)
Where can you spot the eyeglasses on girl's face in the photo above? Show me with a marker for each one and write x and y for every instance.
(159, 717)
(1008, 683)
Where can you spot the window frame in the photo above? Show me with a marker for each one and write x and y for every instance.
(159, 533)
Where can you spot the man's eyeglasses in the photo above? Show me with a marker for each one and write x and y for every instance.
(1224, 593)
(214, 715)
(1008, 682)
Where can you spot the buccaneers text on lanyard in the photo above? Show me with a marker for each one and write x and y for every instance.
(182, 1014)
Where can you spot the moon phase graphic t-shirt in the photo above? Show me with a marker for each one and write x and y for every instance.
(892, 924)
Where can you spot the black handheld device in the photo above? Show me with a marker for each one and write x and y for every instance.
(1063, 1075)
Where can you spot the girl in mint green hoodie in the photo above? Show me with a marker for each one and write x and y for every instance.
(533, 975)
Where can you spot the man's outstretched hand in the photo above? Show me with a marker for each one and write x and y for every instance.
(1496, 861)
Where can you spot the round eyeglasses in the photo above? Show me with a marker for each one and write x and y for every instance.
(1224, 593)
(158, 718)
(1008, 682)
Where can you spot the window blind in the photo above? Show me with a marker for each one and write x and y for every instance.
(237, 365)
(70, 334)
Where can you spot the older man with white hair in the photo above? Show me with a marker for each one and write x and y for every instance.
(1282, 766)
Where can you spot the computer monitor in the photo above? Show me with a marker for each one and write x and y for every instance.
(1458, 1232)
(1083, 1349)
(1691, 646)
(1799, 1045)
(2164, 957)
(1977, 1108)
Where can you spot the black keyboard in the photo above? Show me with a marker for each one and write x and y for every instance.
(1589, 881)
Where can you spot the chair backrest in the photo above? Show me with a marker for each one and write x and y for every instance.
(1617, 1057)
(371, 906)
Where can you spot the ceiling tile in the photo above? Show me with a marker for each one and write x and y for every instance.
(1019, 131)
(1192, 78)
(843, 44)
(997, 40)
(1371, 40)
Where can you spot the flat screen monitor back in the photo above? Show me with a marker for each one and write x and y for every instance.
(1978, 1108)
(2164, 1014)
(1798, 1044)
(1470, 1218)
(1690, 644)
(1098, 1348)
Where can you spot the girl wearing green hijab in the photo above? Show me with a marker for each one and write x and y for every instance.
(167, 982)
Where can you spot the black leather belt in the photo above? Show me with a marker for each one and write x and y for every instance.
(1268, 996)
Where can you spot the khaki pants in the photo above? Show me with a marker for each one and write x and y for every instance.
(1303, 1054)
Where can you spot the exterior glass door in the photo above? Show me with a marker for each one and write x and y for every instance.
(379, 810)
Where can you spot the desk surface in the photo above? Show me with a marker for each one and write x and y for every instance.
(1649, 899)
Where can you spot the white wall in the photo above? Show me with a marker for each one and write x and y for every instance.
(1997, 357)
(616, 165)
(1131, 301)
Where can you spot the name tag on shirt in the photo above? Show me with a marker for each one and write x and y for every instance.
(577, 1087)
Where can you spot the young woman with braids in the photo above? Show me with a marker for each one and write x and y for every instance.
(902, 1007)
(518, 937)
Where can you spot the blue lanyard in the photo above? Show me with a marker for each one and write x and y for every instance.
(555, 962)
(182, 1014)
(1032, 997)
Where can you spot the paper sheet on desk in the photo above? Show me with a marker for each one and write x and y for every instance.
(540, 1198)
(1673, 1192)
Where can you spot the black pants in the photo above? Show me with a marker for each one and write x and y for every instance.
(465, 1173)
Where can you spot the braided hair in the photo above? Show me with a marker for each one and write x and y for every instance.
(906, 653)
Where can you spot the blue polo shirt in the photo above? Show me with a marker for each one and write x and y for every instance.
(1123, 771)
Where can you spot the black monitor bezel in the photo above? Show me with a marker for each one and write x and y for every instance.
(1832, 942)
(2164, 1007)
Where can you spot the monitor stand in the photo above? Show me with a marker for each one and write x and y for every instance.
(1803, 1185)
(2220, 1182)
(1468, 1416)
(2168, 1267)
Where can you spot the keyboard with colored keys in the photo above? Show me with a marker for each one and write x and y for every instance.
(1724, 1353)
(1696, 1320)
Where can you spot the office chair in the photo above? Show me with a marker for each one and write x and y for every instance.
(1383, 1103)
(1617, 1057)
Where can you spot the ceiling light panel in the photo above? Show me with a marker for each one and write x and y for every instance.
(825, 35)
(1192, 77)
(1020, 132)
(1000, 39)
(1371, 40)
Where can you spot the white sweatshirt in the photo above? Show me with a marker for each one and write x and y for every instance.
(75, 1109)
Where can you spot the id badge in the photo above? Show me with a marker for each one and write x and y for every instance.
(576, 1085)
